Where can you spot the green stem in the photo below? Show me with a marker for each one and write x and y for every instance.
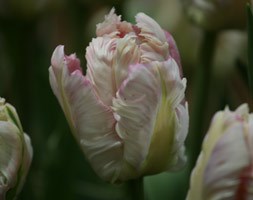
(137, 189)
(250, 48)
(200, 94)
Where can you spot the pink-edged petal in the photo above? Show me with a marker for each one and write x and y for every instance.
(99, 55)
(173, 50)
(135, 108)
(109, 26)
(57, 59)
(249, 140)
(73, 63)
(171, 121)
(126, 54)
(91, 121)
(228, 160)
(151, 51)
(154, 46)
(174, 85)
(150, 28)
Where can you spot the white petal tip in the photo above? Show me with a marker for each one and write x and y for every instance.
(58, 56)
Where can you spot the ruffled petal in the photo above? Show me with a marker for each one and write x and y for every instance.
(150, 28)
(154, 46)
(178, 150)
(135, 108)
(147, 108)
(109, 26)
(91, 121)
(173, 50)
(171, 121)
(99, 55)
(127, 54)
(173, 85)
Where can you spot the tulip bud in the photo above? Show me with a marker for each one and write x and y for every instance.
(15, 152)
(217, 14)
(224, 169)
(128, 113)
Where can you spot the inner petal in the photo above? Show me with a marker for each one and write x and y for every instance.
(99, 55)
(127, 53)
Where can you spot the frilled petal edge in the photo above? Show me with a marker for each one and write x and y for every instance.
(171, 121)
(147, 108)
(135, 108)
(92, 122)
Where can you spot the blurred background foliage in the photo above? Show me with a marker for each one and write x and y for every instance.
(29, 32)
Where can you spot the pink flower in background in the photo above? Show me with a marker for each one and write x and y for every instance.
(224, 169)
(128, 112)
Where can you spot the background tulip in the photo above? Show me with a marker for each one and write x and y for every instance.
(224, 167)
(217, 14)
(15, 152)
(128, 113)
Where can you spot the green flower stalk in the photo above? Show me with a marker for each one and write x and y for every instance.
(15, 152)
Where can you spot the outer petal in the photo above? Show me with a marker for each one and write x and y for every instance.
(15, 157)
(221, 121)
(91, 121)
(154, 46)
(146, 109)
(11, 147)
(171, 122)
(150, 28)
(182, 125)
(172, 83)
(99, 55)
(135, 108)
(27, 159)
(173, 50)
(109, 26)
(222, 174)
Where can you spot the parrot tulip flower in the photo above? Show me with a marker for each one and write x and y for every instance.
(15, 152)
(224, 169)
(128, 112)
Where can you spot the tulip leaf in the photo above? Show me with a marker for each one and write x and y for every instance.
(250, 47)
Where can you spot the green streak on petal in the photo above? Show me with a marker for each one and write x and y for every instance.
(65, 101)
(214, 133)
(13, 116)
(163, 136)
